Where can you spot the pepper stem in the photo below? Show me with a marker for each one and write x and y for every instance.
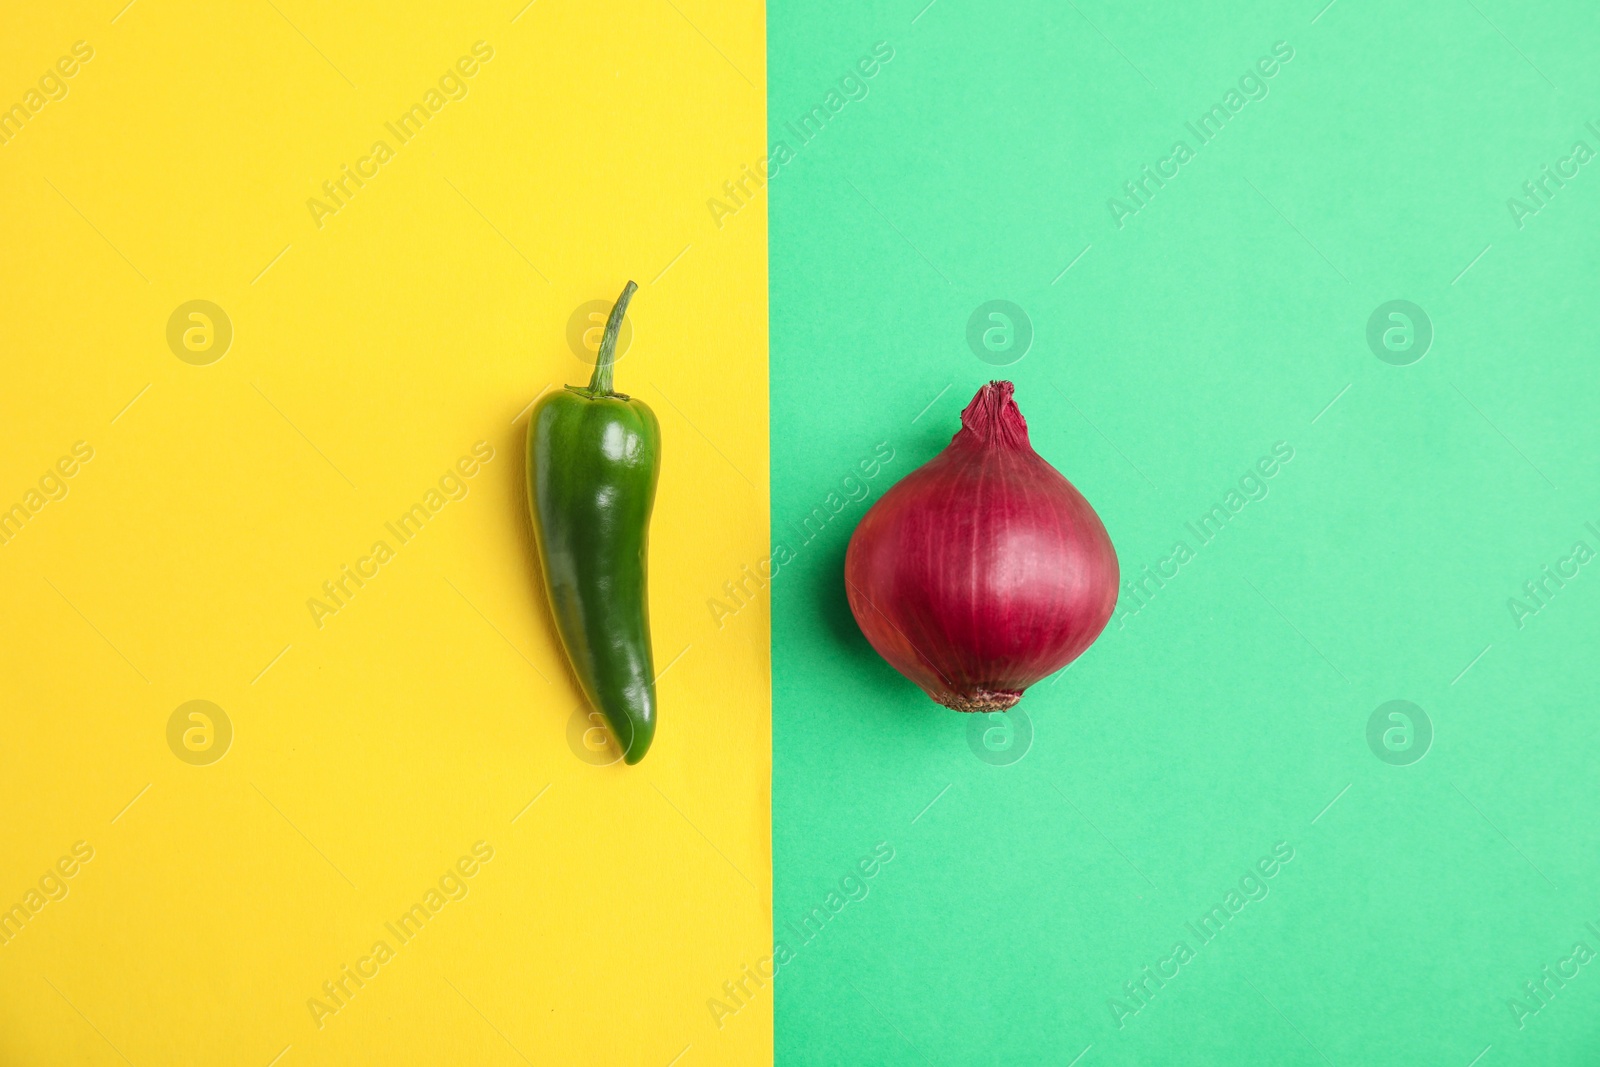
(600, 382)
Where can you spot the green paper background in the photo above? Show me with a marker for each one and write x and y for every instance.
(1232, 710)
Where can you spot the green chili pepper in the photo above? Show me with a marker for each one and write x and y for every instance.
(592, 464)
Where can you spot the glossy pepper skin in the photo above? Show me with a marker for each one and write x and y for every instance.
(592, 465)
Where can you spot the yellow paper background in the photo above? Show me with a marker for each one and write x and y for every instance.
(369, 354)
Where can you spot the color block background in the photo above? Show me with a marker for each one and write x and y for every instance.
(1021, 878)
(1230, 713)
(369, 354)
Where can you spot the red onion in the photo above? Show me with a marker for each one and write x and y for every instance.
(983, 570)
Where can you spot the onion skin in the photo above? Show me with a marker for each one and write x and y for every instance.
(983, 570)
